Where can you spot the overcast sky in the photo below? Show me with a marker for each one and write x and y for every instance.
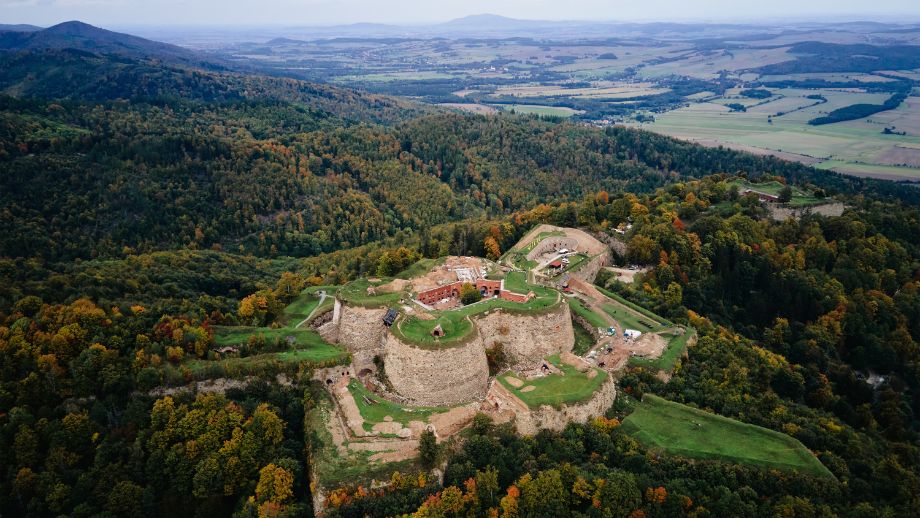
(329, 12)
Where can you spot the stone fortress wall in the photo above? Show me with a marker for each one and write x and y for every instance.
(435, 377)
(588, 272)
(528, 338)
(504, 405)
(457, 373)
(555, 419)
(362, 333)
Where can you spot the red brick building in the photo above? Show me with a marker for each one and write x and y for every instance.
(488, 288)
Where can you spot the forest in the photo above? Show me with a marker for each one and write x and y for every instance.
(141, 212)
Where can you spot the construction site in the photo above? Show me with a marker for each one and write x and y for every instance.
(420, 345)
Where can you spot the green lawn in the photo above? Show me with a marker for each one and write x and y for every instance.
(799, 197)
(675, 349)
(355, 292)
(380, 408)
(581, 310)
(628, 319)
(308, 345)
(273, 363)
(555, 390)
(681, 430)
(535, 109)
(651, 317)
(238, 335)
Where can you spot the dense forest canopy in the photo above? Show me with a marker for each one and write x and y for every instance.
(140, 209)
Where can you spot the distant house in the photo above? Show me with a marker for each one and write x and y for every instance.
(556, 264)
(390, 317)
(762, 196)
(632, 333)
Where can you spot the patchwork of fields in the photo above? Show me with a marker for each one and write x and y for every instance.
(781, 125)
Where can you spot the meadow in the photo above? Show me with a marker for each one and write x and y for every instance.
(682, 430)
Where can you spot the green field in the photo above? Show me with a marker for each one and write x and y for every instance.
(456, 323)
(675, 349)
(629, 320)
(650, 316)
(800, 198)
(355, 293)
(782, 125)
(584, 312)
(534, 109)
(583, 341)
(379, 408)
(306, 303)
(555, 390)
(681, 430)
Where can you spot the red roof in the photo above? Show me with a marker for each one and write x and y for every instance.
(556, 264)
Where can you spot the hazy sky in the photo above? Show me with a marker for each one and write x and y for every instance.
(328, 12)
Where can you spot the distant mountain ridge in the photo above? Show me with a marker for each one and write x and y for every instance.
(19, 27)
(84, 37)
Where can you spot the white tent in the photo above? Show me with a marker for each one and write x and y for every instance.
(632, 333)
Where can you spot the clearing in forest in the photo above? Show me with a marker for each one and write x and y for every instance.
(689, 432)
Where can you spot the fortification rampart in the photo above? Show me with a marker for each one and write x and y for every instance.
(588, 271)
(552, 244)
(528, 338)
(431, 377)
(530, 422)
(361, 331)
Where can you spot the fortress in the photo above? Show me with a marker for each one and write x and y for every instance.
(421, 359)
(450, 369)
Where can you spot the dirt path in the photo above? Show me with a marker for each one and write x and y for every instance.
(322, 298)
(625, 274)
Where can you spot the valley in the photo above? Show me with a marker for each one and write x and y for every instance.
(483, 267)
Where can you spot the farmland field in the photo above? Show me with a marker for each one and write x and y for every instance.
(682, 430)
(848, 147)
(684, 85)
(534, 109)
